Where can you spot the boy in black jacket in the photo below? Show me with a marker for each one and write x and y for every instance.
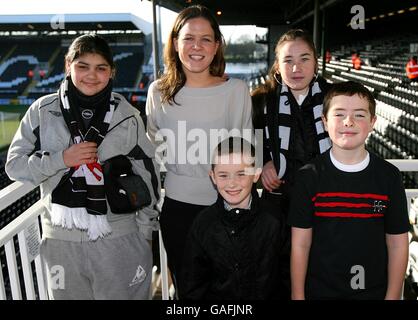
(232, 248)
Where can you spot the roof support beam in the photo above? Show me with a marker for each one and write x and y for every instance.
(310, 13)
(315, 35)
(155, 47)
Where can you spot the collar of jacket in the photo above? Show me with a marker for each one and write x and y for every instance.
(244, 216)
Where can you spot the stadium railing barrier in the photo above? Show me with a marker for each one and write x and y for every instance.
(26, 231)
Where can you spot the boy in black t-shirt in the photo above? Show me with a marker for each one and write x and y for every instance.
(348, 211)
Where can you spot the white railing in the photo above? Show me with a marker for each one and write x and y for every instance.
(26, 227)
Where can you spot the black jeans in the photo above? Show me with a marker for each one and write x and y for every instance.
(175, 220)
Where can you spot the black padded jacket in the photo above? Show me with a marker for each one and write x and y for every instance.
(233, 255)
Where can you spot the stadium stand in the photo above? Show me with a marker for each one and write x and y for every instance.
(395, 134)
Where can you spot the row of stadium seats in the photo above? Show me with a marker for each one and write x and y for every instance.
(381, 145)
(397, 116)
(396, 131)
(27, 68)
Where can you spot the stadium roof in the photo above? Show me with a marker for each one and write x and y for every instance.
(130, 15)
(47, 15)
(241, 12)
(299, 13)
(104, 21)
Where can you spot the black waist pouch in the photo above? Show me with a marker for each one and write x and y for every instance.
(126, 192)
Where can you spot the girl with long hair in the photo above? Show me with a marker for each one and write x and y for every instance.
(288, 108)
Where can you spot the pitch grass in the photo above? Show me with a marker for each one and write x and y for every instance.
(8, 129)
(10, 116)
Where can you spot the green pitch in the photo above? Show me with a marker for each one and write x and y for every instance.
(7, 131)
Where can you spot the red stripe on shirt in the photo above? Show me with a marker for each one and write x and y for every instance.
(343, 204)
(347, 215)
(351, 195)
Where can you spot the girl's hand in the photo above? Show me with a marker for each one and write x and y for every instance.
(269, 177)
(80, 153)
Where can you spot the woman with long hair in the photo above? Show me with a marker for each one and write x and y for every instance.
(191, 102)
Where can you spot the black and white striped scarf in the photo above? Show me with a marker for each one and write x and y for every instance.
(79, 200)
(286, 120)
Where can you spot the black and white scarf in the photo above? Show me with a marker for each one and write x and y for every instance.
(286, 120)
(79, 200)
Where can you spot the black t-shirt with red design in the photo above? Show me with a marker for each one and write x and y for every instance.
(349, 213)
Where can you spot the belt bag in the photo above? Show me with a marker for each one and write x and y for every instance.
(126, 192)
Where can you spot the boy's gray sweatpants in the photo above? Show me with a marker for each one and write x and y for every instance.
(117, 268)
